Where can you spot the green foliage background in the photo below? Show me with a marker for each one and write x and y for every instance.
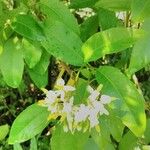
(105, 41)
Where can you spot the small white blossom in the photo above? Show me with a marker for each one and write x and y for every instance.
(93, 118)
(105, 99)
(81, 114)
(94, 93)
(72, 116)
(61, 83)
(51, 97)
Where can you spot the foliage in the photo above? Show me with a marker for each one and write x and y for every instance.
(101, 43)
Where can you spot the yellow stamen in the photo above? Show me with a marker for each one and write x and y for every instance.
(97, 128)
(41, 102)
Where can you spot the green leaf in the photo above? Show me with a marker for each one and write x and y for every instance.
(89, 27)
(128, 142)
(41, 67)
(40, 80)
(4, 129)
(57, 11)
(11, 62)
(102, 138)
(32, 53)
(140, 56)
(63, 44)
(26, 26)
(147, 131)
(129, 104)
(29, 123)
(91, 145)
(82, 3)
(146, 147)
(81, 94)
(67, 141)
(107, 19)
(109, 41)
(1, 47)
(140, 10)
(17, 146)
(114, 5)
(33, 144)
(146, 26)
(115, 126)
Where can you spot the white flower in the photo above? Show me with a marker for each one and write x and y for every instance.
(105, 99)
(81, 114)
(68, 106)
(94, 93)
(93, 118)
(61, 83)
(51, 97)
(68, 111)
(99, 108)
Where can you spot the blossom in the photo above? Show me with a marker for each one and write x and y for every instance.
(81, 114)
(60, 83)
(76, 117)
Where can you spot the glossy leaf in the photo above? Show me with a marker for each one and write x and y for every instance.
(11, 62)
(4, 129)
(115, 5)
(17, 147)
(67, 141)
(91, 145)
(107, 19)
(63, 44)
(29, 123)
(40, 80)
(26, 26)
(81, 94)
(41, 67)
(115, 127)
(89, 27)
(140, 56)
(147, 131)
(32, 53)
(57, 11)
(103, 43)
(102, 138)
(128, 142)
(129, 104)
(140, 10)
(33, 144)
(82, 3)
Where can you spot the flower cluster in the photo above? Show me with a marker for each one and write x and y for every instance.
(75, 117)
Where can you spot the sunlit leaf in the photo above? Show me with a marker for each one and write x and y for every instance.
(26, 26)
(4, 129)
(29, 123)
(129, 104)
(63, 44)
(109, 41)
(140, 10)
(57, 11)
(32, 53)
(68, 141)
(115, 5)
(11, 62)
